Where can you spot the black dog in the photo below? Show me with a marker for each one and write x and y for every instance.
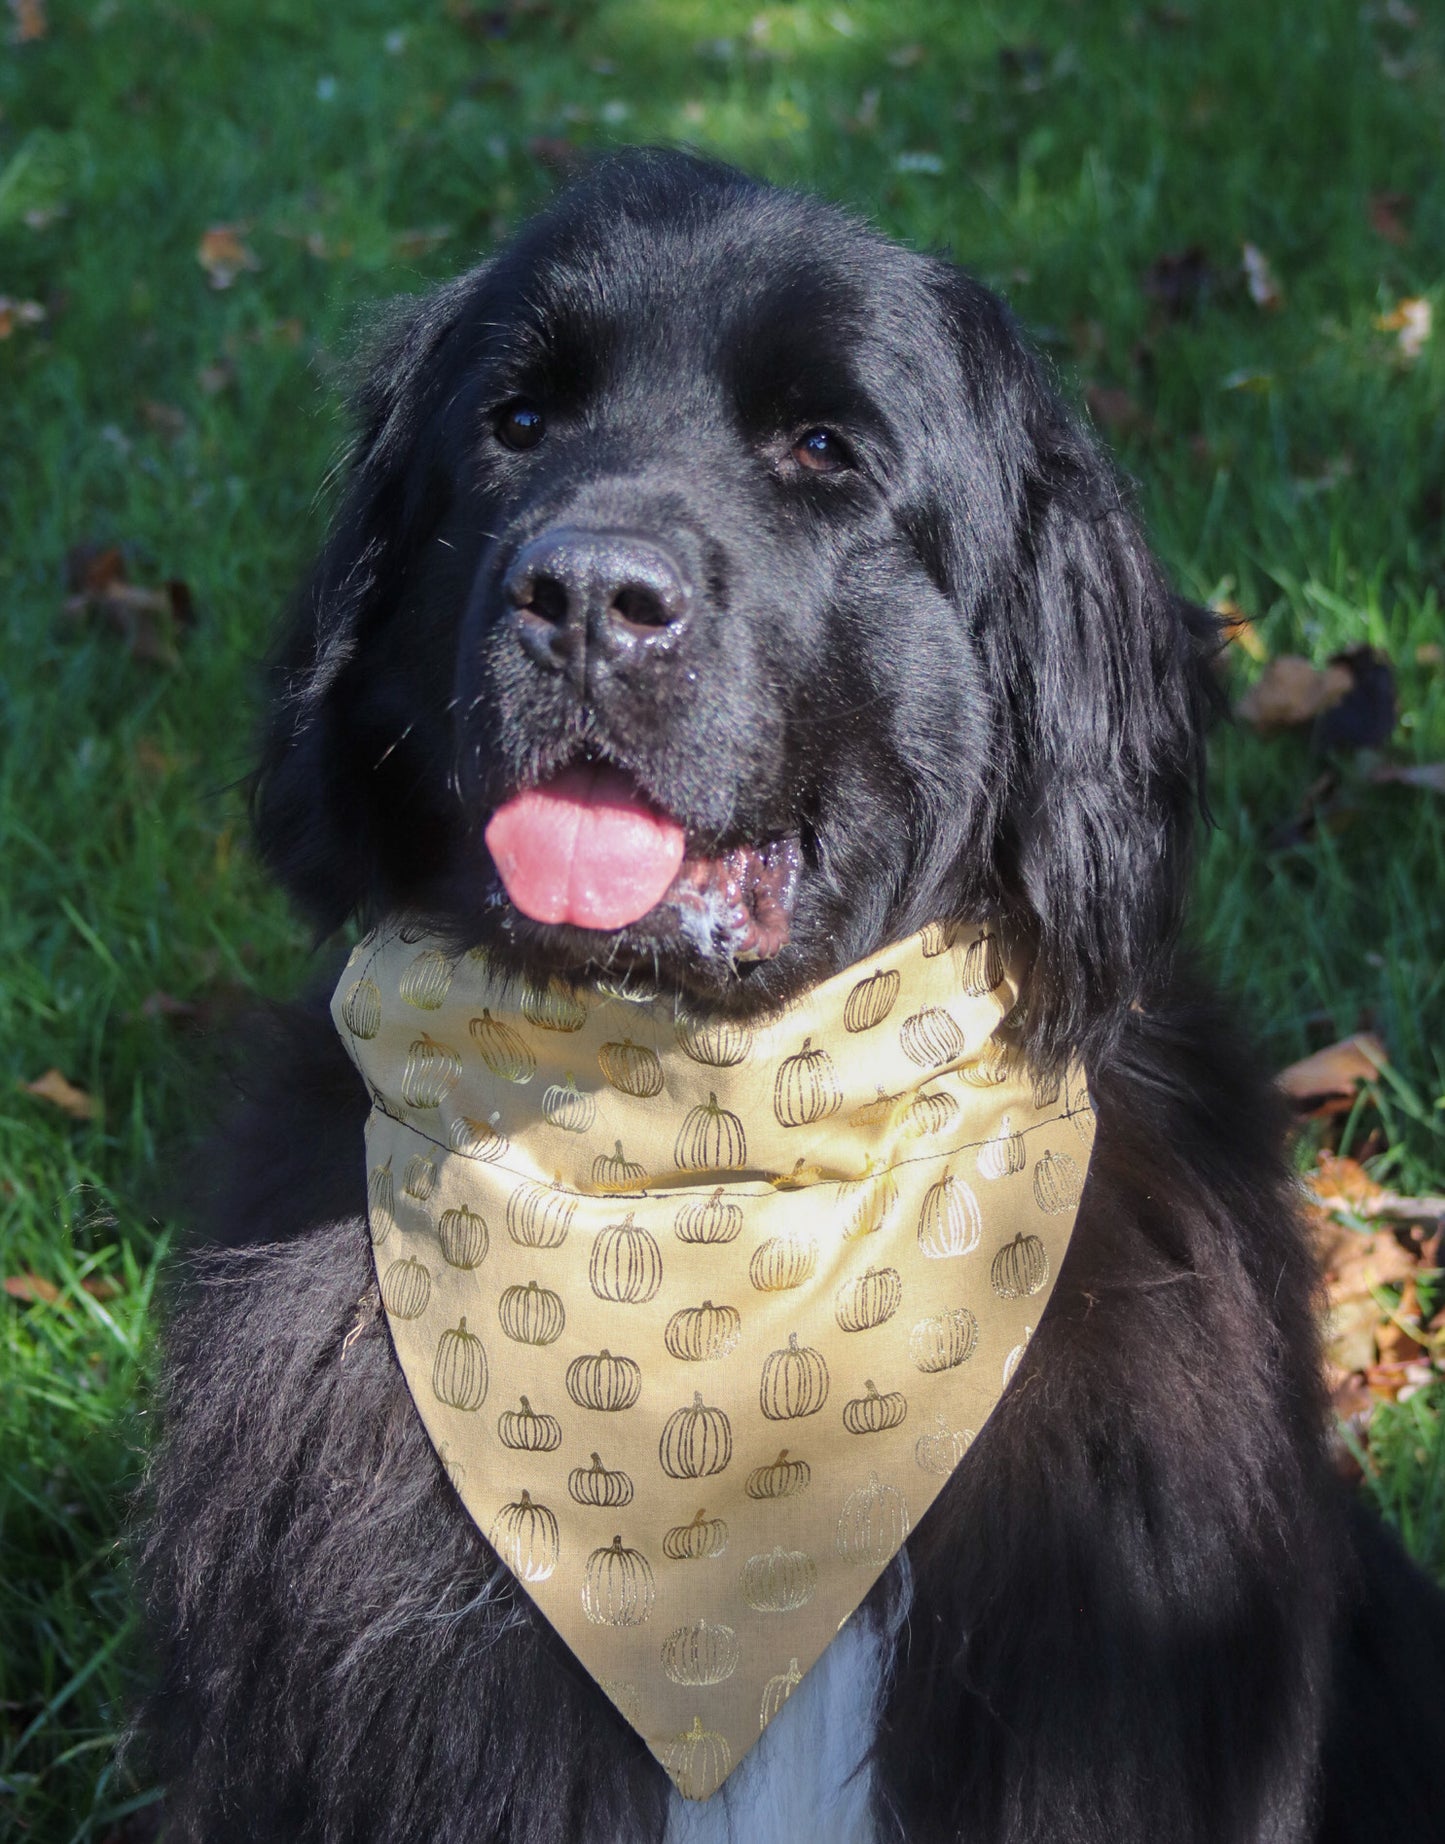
(707, 483)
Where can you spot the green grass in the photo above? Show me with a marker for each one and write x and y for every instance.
(1291, 459)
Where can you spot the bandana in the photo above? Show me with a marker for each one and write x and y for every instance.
(700, 1316)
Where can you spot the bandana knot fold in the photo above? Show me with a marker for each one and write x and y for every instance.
(700, 1315)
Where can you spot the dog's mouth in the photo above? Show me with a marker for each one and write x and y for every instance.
(588, 849)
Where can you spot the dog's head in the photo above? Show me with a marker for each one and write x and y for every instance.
(720, 590)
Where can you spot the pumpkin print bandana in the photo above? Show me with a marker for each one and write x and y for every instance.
(700, 1316)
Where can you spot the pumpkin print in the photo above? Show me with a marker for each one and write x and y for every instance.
(950, 1222)
(565, 1106)
(1015, 1357)
(626, 1264)
(427, 980)
(715, 1221)
(982, 966)
(1002, 1155)
(633, 1068)
(943, 1341)
(476, 1139)
(617, 1174)
(782, 1262)
(941, 1449)
(876, 1194)
(604, 1382)
(795, 1382)
(553, 1007)
(938, 938)
(598, 1485)
(872, 1524)
(1057, 1185)
(871, 1299)
(779, 1580)
(801, 1176)
(419, 1179)
(532, 1315)
(627, 1697)
(1081, 1110)
(455, 1471)
(696, 1442)
(704, 1538)
(539, 1216)
(526, 1537)
(406, 1288)
(931, 1038)
(702, 1334)
(806, 1090)
(463, 1236)
(717, 1042)
(871, 1000)
(988, 1069)
(932, 1110)
(1046, 1091)
(781, 1478)
(706, 1653)
(432, 1072)
(711, 1140)
(776, 1692)
(698, 1761)
(618, 1587)
(878, 1112)
(502, 1049)
(381, 1202)
(361, 1009)
(459, 1372)
(871, 1413)
(1021, 1267)
(528, 1430)
(409, 932)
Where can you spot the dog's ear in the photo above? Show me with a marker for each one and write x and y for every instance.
(315, 793)
(1109, 687)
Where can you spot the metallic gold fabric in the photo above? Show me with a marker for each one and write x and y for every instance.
(701, 1316)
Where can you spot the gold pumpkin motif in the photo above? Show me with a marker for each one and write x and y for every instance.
(779, 1580)
(871, 1413)
(539, 1216)
(427, 980)
(988, 1069)
(432, 1072)
(878, 1112)
(1021, 1267)
(1057, 1184)
(931, 1038)
(604, 1382)
(632, 1068)
(1047, 1090)
(696, 1442)
(943, 1341)
(599, 1485)
(699, 1760)
(782, 1263)
(795, 1382)
(565, 1106)
(1003, 1155)
(618, 1587)
(719, 1043)
(714, 1222)
(381, 1203)
(526, 1537)
(872, 1525)
(625, 1266)
(476, 1139)
(940, 1450)
(869, 1300)
(502, 1049)
(700, 1541)
(937, 938)
(876, 1193)
(950, 1222)
(553, 1007)
(362, 1009)
(529, 1430)
(463, 1236)
(806, 1089)
(406, 1288)
(983, 967)
(419, 1179)
(781, 1478)
(706, 1653)
(459, 1373)
(617, 1174)
(871, 1000)
(703, 1334)
(532, 1315)
(776, 1692)
(711, 1140)
(931, 1111)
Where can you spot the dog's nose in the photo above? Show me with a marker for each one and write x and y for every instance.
(607, 594)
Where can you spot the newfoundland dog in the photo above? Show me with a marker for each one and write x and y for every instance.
(720, 596)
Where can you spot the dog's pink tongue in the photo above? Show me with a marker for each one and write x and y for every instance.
(586, 849)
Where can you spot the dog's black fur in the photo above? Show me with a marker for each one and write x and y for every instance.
(953, 671)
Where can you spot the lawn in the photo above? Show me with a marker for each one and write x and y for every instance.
(1103, 164)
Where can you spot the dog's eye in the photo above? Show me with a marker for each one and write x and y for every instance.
(519, 425)
(822, 451)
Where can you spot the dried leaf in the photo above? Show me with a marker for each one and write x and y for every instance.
(148, 620)
(1429, 775)
(63, 1094)
(1387, 216)
(224, 255)
(1336, 1070)
(1291, 691)
(1240, 631)
(1259, 278)
(31, 1288)
(1114, 409)
(1410, 320)
(30, 21)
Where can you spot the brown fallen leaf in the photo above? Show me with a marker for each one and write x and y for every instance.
(1113, 408)
(1259, 278)
(1429, 775)
(148, 620)
(1387, 216)
(31, 1288)
(1291, 691)
(223, 254)
(63, 1094)
(30, 21)
(1336, 1070)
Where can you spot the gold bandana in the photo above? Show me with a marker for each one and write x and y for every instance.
(701, 1316)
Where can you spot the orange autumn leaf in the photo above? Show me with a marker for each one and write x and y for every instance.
(1338, 1069)
(31, 1288)
(63, 1094)
(224, 255)
(30, 21)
